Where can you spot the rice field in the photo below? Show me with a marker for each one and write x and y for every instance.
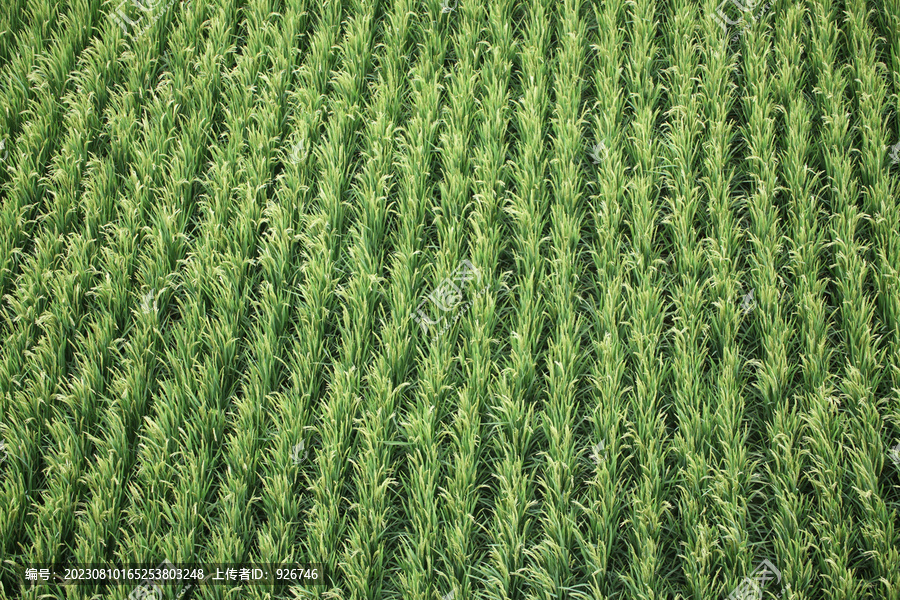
(455, 299)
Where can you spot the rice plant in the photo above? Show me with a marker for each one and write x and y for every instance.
(452, 300)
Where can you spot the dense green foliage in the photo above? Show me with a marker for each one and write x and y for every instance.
(227, 238)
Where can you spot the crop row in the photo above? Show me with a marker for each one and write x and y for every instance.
(501, 300)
